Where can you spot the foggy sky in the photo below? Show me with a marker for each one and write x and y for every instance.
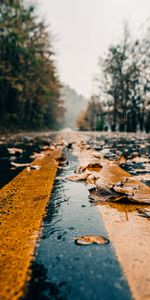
(84, 29)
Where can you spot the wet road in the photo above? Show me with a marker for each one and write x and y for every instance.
(28, 144)
(64, 270)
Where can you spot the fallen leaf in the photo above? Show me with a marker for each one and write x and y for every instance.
(113, 184)
(94, 167)
(141, 197)
(18, 165)
(78, 177)
(101, 181)
(92, 178)
(140, 159)
(91, 239)
(13, 151)
(105, 194)
(125, 189)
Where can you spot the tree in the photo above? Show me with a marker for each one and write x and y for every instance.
(91, 118)
(29, 83)
(121, 86)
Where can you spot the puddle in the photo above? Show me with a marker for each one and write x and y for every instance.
(64, 270)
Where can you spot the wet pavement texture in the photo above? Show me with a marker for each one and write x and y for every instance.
(27, 145)
(112, 145)
(64, 270)
(127, 146)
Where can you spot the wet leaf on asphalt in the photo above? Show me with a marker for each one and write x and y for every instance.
(19, 165)
(125, 189)
(132, 159)
(113, 184)
(128, 192)
(141, 197)
(95, 167)
(105, 194)
(140, 159)
(92, 178)
(101, 181)
(91, 239)
(13, 151)
(78, 177)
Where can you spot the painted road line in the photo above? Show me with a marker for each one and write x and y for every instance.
(63, 270)
(129, 234)
(23, 205)
(128, 231)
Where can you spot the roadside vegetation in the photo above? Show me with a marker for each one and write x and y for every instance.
(122, 100)
(29, 81)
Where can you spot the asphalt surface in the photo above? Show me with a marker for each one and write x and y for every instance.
(64, 270)
(61, 269)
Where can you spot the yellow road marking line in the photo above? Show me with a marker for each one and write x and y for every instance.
(130, 236)
(23, 205)
(129, 232)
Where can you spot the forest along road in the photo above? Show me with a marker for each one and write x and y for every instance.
(100, 193)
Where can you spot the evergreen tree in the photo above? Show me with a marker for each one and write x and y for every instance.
(29, 83)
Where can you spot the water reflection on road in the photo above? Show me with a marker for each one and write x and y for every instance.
(63, 270)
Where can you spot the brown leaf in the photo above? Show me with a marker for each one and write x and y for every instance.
(92, 178)
(19, 165)
(105, 194)
(94, 167)
(141, 197)
(140, 159)
(125, 189)
(91, 239)
(78, 177)
(113, 183)
(101, 181)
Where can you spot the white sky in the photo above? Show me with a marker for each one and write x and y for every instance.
(85, 28)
